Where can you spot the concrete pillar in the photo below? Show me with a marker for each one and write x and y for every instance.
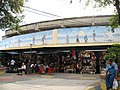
(97, 62)
(55, 36)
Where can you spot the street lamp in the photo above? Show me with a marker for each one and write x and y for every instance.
(31, 43)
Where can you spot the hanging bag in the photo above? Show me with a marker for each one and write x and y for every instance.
(115, 84)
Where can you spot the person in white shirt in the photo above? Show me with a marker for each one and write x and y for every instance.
(111, 73)
(32, 68)
(46, 68)
(12, 64)
(23, 66)
(22, 69)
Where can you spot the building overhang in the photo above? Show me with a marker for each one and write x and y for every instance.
(100, 44)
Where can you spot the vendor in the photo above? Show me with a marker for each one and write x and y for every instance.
(22, 69)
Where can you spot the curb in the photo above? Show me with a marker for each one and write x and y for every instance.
(95, 87)
(2, 72)
(103, 85)
(90, 88)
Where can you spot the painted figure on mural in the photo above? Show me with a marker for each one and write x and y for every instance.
(94, 35)
(13, 40)
(85, 38)
(33, 40)
(67, 39)
(9, 44)
(108, 36)
(5, 45)
(19, 41)
(43, 39)
(77, 39)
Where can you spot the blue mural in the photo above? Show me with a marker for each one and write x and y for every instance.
(88, 34)
(38, 38)
(65, 36)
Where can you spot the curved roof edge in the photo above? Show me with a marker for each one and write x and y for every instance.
(68, 19)
(61, 23)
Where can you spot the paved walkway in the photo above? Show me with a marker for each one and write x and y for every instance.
(57, 81)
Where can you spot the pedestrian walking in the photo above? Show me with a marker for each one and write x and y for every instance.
(111, 73)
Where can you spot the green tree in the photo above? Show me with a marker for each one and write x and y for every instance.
(115, 20)
(114, 53)
(10, 11)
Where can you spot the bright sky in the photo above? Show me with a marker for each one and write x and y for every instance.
(61, 8)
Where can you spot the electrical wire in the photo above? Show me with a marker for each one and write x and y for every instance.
(53, 15)
(41, 11)
(38, 13)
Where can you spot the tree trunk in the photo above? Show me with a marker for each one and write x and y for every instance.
(117, 5)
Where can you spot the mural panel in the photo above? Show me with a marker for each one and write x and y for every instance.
(88, 34)
(64, 36)
(39, 38)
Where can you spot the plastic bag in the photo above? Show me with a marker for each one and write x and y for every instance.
(115, 84)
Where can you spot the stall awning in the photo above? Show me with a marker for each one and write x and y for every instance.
(47, 52)
(97, 50)
(28, 52)
(13, 53)
(2, 54)
(65, 51)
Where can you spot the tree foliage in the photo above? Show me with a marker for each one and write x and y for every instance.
(10, 13)
(113, 52)
(115, 20)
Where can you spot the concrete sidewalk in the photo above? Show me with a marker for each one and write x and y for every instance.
(58, 81)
